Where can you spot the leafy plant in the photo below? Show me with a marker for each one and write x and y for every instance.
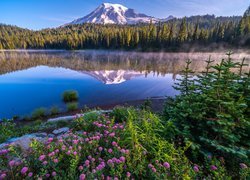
(54, 110)
(38, 113)
(70, 96)
(72, 106)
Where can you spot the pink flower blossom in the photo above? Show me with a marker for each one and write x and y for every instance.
(12, 163)
(243, 166)
(42, 157)
(196, 168)
(100, 149)
(128, 174)
(87, 162)
(80, 168)
(63, 148)
(82, 177)
(55, 160)
(150, 166)
(30, 174)
(24, 170)
(213, 168)
(122, 158)
(45, 162)
(154, 170)
(54, 174)
(47, 175)
(75, 153)
(110, 151)
(114, 143)
(50, 139)
(3, 176)
(68, 152)
(112, 134)
(166, 165)
(4, 151)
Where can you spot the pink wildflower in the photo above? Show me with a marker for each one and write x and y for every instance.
(80, 168)
(122, 158)
(24, 170)
(243, 166)
(3, 176)
(112, 134)
(213, 168)
(12, 163)
(154, 170)
(55, 160)
(100, 149)
(166, 165)
(128, 174)
(54, 174)
(114, 143)
(87, 163)
(30, 174)
(110, 151)
(82, 177)
(42, 157)
(196, 168)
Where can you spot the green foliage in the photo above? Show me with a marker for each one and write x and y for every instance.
(72, 106)
(120, 114)
(212, 112)
(54, 110)
(70, 96)
(146, 105)
(38, 113)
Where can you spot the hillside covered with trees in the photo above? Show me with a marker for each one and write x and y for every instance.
(172, 35)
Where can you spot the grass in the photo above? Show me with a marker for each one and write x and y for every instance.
(72, 106)
(54, 110)
(38, 113)
(70, 96)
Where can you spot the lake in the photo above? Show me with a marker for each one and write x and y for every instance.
(34, 79)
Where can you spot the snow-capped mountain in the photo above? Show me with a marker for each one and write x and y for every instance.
(108, 13)
(113, 76)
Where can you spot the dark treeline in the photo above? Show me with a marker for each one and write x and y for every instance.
(172, 35)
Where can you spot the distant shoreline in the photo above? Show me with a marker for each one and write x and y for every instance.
(191, 50)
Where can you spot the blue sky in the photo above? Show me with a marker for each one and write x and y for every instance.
(38, 14)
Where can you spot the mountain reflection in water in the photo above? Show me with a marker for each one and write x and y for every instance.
(33, 79)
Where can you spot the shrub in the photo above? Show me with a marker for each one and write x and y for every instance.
(212, 112)
(70, 96)
(54, 110)
(38, 113)
(120, 114)
(72, 106)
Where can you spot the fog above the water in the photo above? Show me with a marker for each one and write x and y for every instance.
(160, 63)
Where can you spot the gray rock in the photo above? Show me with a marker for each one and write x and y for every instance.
(24, 141)
(65, 118)
(61, 131)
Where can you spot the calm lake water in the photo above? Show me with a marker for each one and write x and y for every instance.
(33, 79)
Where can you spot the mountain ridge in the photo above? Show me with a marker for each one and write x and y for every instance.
(108, 13)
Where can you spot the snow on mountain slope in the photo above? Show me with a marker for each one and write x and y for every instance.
(113, 77)
(108, 13)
